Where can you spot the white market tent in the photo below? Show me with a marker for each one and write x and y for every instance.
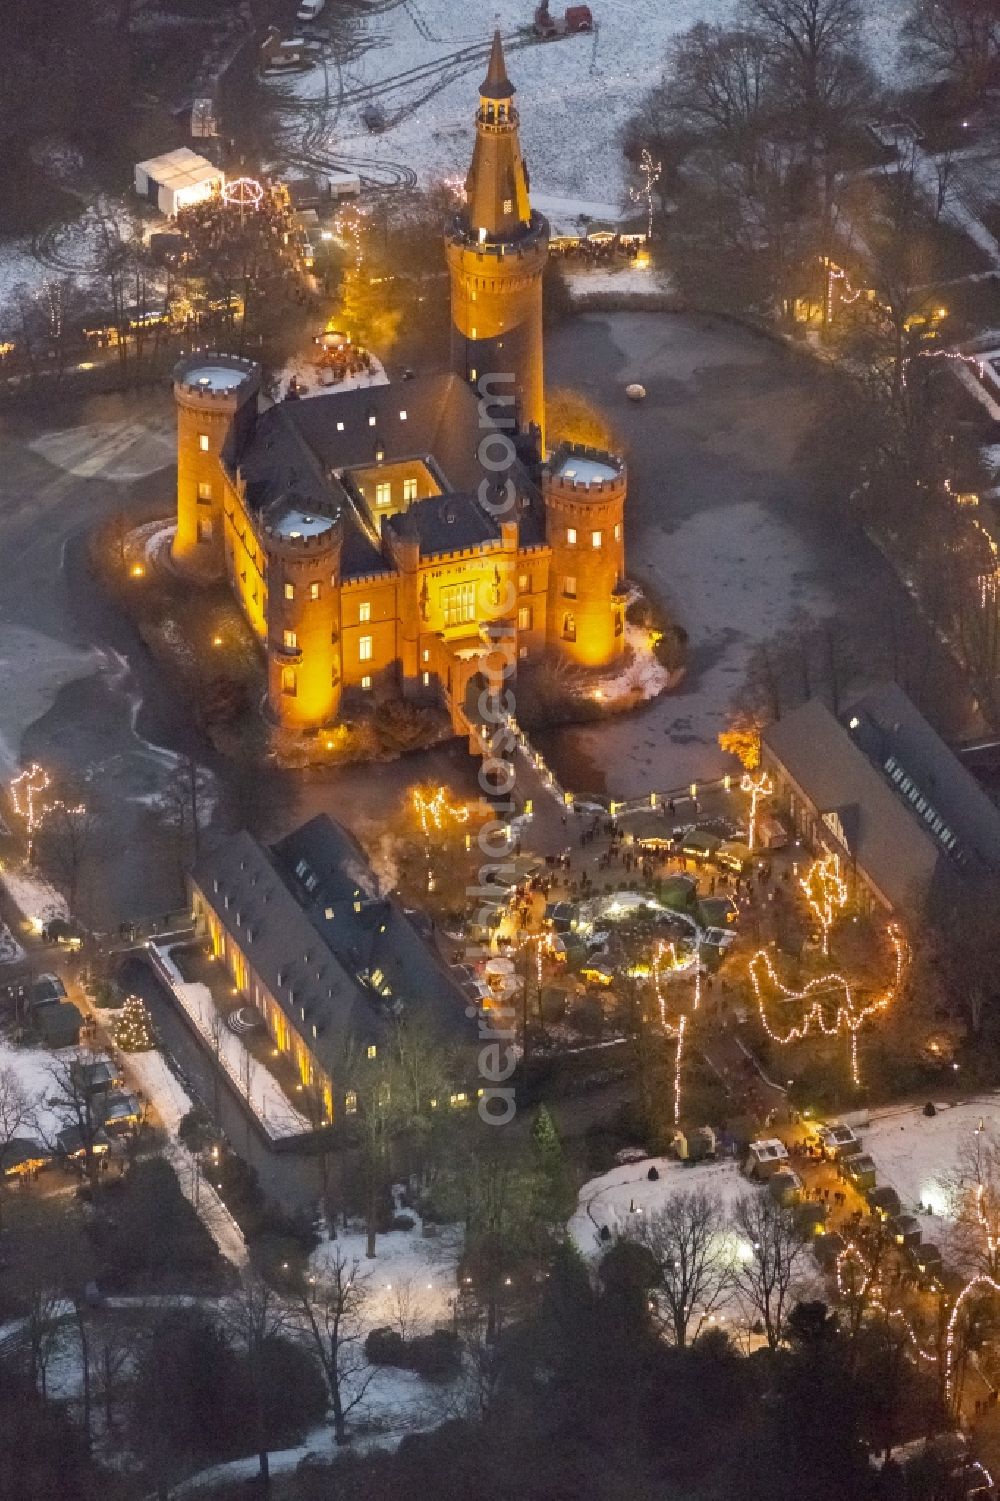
(177, 179)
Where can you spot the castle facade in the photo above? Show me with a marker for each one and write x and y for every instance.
(363, 533)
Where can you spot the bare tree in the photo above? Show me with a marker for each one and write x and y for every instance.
(79, 1106)
(767, 1273)
(960, 38)
(18, 1115)
(974, 1194)
(687, 1241)
(65, 844)
(256, 1315)
(331, 1308)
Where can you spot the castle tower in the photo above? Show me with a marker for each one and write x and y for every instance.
(303, 646)
(210, 392)
(496, 250)
(584, 490)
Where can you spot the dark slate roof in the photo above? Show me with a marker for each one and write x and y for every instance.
(445, 523)
(496, 84)
(329, 873)
(891, 845)
(326, 971)
(295, 448)
(889, 728)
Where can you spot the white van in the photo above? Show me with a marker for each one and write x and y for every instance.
(309, 9)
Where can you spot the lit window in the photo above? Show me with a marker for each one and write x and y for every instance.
(289, 591)
(383, 494)
(340, 427)
(522, 651)
(508, 205)
(377, 978)
(524, 618)
(365, 648)
(204, 490)
(473, 332)
(364, 611)
(569, 627)
(204, 528)
(595, 539)
(524, 582)
(380, 453)
(571, 535)
(458, 604)
(291, 640)
(619, 623)
(351, 1102)
(402, 416)
(203, 442)
(366, 684)
(473, 374)
(372, 1050)
(288, 681)
(314, 590)
(618, 531)
(371, 419)
(426, 654)
(569, 587)
(409, 489)
(426, 678)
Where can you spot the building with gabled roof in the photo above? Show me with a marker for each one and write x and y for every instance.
(380, 541)
(880, 788)
(328, 961)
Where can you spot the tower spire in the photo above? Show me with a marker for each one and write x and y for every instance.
(496, 189)
(496, 84)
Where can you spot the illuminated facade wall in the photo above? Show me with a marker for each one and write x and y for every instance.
(239, 966)
(209, 393)
(586, 534)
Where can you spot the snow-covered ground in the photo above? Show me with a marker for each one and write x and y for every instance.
(33, 1068)
(624, 280)
(307, 376)
(11, 951)
(920, 1156)
(255, 1083)
(40, 902)
(411, 1280)
(619, 1198)
(575, 94)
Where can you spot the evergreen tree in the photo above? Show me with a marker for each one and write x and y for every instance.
(557, 1192)
(133, 1030)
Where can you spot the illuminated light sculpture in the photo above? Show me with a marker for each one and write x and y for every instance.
(825, 892)
(946, 354)
(835, 273)
(243, 193)
(758, 787)
(679, 1057)
(27, 798)
(850, 1014)
(652, 172)
(436, 809)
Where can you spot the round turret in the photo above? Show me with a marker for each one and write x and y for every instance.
(210, 391)
(303, 612)
(584, 491)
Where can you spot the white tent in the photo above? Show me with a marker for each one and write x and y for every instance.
(177, 179)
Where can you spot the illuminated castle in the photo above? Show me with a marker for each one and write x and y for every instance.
(369, 534)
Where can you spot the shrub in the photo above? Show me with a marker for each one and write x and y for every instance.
(386, 1347)
(437, 1356)
(402, 1222)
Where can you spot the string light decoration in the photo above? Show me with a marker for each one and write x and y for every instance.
(434, 809)
(835, 274)
(945, 354)
(825, 893)
(679, 1056)
(758, 787)
(651, 172)
(27, 796)
(133, 1030)
(850, 1012)
(243, 193)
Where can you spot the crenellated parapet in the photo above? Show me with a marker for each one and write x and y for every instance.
(213, 392)
(584, 490)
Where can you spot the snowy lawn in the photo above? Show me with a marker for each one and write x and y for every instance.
(11, 951)
(919, 1156)
(40, 902)
(622, 1196)
(575, 94)
(33, 1068)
